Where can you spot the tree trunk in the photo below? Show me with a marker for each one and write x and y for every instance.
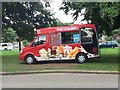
(19, 44)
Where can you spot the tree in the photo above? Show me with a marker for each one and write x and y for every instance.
(59, 23)
(24, 16)
(105, 15)
(9, 35)
(116, 35)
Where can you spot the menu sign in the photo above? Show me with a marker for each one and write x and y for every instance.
(55, 39)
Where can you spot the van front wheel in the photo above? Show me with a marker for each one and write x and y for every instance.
(81, 58)
(5, 49)
(29, 59)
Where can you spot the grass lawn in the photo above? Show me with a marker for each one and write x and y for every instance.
(108, 62)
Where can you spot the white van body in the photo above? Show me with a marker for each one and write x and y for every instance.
(6, 46)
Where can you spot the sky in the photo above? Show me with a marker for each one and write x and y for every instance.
(55, 4)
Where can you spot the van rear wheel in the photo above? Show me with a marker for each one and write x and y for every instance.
(113, 47)
(81, 58)
(30, 59)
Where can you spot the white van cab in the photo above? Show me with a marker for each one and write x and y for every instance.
(6, 46)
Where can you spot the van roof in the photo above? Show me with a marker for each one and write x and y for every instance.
(74, 27)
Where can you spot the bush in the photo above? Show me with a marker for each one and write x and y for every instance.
(116, 31)
(25, 42)
(109, 38)
(9, 35)
(118, 40)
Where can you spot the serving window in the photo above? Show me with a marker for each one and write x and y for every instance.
(86, 35)
(70, 37)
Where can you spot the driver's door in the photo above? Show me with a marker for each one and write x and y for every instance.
(38, 44)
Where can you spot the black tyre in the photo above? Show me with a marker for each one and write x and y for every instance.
(29, 59)
(81, 58)
(6, 49)
(113, 47)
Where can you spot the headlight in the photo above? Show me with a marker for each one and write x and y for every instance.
(21, 51)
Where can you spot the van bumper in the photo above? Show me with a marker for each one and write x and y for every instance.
(21, 57)
(93, 56)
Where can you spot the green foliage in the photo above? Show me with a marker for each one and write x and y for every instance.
(116, 35)
(25, 42)
(109, 38)
(9, 35)
(105, 15)
(116, 31)
(118, 41)
(59, 23)
(24, 16)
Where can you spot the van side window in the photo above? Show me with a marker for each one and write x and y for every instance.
(70, 37)
(40, 40)
(4, 45)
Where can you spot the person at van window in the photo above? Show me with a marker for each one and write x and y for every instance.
(41, 42)
(35, 43)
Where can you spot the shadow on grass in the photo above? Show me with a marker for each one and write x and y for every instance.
(53, 62)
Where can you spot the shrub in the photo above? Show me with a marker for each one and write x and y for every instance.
(25, 42)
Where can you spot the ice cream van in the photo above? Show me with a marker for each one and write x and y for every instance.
(75, 42)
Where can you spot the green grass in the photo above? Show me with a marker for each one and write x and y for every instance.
(108, 62)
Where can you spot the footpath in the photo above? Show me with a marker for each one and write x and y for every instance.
(60, 71)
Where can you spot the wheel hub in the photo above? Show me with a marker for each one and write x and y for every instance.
(81, 58)
(29, 60)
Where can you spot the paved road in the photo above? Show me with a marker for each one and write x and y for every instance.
(60, 80)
